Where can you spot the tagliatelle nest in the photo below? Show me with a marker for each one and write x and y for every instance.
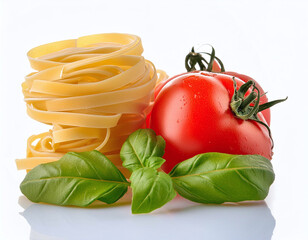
(94, 91)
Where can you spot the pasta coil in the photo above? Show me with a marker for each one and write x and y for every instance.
(94, 91)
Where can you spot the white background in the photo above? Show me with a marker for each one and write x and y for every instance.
(267, 40)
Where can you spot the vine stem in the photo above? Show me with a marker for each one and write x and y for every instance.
(195, 58)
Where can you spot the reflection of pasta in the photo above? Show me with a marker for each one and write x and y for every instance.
(95, 91)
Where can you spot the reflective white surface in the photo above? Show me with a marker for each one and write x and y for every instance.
(265, 39)
(178, 219)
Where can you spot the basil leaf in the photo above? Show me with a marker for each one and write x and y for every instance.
(76, 179)
(218, 178)
(154, 162)
(151, 190)
(139, 146)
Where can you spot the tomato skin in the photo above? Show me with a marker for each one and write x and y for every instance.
(193, 115)
(157, 90)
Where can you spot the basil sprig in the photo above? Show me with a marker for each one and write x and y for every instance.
(76, 179)
(141, 154)
(81, 178)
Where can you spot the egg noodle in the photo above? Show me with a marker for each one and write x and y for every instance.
(94, 91)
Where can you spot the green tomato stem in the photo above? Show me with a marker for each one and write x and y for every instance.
(193, 58)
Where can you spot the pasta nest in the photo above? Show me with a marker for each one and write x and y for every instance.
(94, 91)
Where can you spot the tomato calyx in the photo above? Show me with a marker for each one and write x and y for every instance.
(247, 108)
(193, 58)
(242, 106)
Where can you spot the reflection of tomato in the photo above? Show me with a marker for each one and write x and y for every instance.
(192, 113)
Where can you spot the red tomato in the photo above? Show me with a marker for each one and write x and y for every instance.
(192, 113)
(266, 113)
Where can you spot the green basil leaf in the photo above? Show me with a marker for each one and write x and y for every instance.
(218, 178)
(154, 162)
(76, 179)
(151, 190)
(139, 146)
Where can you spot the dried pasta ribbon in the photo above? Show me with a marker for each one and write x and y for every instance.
(94, 91)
